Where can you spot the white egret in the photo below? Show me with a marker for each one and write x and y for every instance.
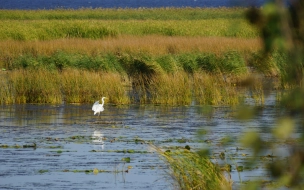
(97, 107)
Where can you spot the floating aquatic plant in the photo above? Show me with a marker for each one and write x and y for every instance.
(126, 159)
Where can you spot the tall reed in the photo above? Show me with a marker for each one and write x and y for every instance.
(141, 69)
(172, 89)
(70, 85)
(6, 90)
(82, 86)
(31, 86)
(214, 90)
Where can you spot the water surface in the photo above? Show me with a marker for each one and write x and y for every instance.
(71, 142)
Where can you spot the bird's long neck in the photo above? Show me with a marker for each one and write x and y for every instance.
(102, 100)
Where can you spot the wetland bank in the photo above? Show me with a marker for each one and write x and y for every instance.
(175, 89)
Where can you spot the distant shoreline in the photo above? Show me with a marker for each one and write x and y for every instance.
(77, 4)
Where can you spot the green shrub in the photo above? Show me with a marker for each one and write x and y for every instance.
(232, 62)
(208, 62)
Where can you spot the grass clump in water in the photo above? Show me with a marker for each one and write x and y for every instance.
(192, 171)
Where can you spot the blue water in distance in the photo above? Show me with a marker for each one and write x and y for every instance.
(76, 4)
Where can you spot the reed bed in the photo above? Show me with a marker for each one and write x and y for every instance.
(82, 86)
(6, 90)
(136, 63)
(124, 14)
(29, 86)
(97, 29)
(153, 45)
(142, 77)
(100, 23)
(159, 56)
(171, 89)
(210, 89)
(70, 85)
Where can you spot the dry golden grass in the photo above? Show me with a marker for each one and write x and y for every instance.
(155, 45)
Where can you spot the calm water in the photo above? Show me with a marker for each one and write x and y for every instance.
(70, 140)
(75, 4)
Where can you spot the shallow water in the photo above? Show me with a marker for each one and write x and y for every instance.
(71, 142)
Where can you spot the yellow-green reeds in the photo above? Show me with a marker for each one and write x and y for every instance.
(171, 89)
(6, 91)
(167, 13)
(257, 91)
(214, 89)
(32, 86)
(98, 29)
(192, 171)
(81, 86)
(70, 85)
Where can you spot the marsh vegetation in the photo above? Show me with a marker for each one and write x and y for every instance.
(130, 55)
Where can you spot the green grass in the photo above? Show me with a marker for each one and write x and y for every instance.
(97, 29)
(230, 62)
(101, 23)
(47, 30)
(62, 60)
(124, 14)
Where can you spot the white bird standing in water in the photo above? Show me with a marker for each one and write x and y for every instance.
(97, 108)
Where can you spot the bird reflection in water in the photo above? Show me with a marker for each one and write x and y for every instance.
(98, 137)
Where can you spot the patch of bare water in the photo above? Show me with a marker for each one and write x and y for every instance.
(66, 146)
